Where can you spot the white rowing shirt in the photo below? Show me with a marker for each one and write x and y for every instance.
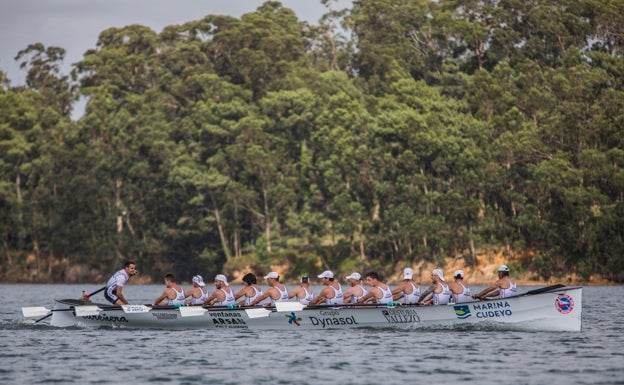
(202, 297)
(386, 295)
(444, 297)
(413, 296)
(283, 296)
(464, 296)
(337, 299)
(355, 298)
(510, 291)
(229, 297)
(308, 297)
(118, 279)
(179, 299)
(257, 293)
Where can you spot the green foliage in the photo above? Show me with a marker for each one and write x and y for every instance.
(394, 131)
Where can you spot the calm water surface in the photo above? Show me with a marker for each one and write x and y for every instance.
(40, 354)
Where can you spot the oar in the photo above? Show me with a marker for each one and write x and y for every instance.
(87, 296)
(252, 312)
(544, 289)
(357, 305)
(195, 311)
(279, 307)
(38, 311)
(82, 311)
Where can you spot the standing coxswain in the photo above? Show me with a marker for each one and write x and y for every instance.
(114, 287)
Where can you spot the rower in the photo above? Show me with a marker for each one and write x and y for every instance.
(459, 290)
(198, 292)
(503, 287)
(223, 294)
(276, 292)
(331, 293)
(173, 294)
(407, 289)
(356, 291)
(302, 293)
(250, 291)
(438, 293)
(379, 292)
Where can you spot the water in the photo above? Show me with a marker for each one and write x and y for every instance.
(40, 354)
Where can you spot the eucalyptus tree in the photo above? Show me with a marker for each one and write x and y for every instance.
(258, 50)
(123, 130)
(34, 127)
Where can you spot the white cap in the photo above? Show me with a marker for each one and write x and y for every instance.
(222, 278)
(459, 273)
(199, 280)
(503, 268)
(408, 273)
(355, 276)
(326, 274)
(439, 273)
(272, 274)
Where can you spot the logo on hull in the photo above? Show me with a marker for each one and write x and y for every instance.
(564, 304)
(462, 311)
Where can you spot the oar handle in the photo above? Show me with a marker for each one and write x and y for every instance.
(87, 296)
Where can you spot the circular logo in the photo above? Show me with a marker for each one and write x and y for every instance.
(564, 304)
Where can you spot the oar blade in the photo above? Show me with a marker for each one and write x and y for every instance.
(257, 313)
(85, 311)
(135, 308)
(192, 311)
(35, 311)
(289, 306)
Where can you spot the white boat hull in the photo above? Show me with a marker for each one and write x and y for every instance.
(555, 310)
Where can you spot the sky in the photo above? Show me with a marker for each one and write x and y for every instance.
(76, 24)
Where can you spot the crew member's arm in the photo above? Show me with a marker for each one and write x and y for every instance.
(261, 298)
(426, 293)
(119, 293)
(346, 296)
(190, 293)
(369, 297)
(399, 291)
(491, 291)
(216, 296)
(294, 293)
(321, 297)
(242, 292)
(165, 294)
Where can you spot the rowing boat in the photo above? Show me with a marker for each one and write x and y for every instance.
(553, 308)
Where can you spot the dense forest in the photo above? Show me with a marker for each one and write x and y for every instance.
(392, 132)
